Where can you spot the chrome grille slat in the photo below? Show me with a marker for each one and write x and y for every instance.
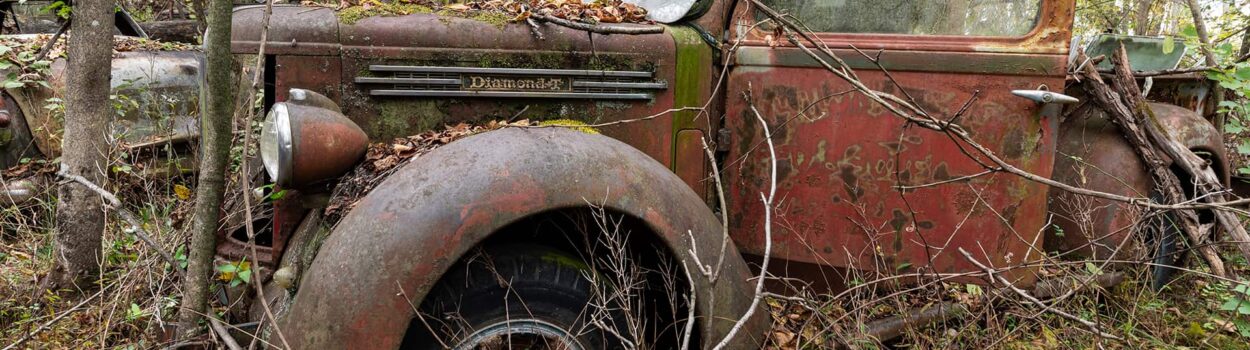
(428, 81)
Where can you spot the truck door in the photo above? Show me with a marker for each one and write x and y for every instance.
(841, 157)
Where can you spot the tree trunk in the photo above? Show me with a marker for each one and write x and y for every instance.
(1203, 38)
(1245, 43)
(182, 30)
(216, 118)
(80, 214)
(1141, 18)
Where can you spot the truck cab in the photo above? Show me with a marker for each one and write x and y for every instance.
(861, 191)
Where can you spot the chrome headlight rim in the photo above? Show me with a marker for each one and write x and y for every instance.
(281, 171)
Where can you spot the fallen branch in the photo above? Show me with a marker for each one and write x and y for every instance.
(892, 327)
(995, 278)
(1056, 287)
(598, 28)
(223, 334)
(1137, 121)
(135, 226)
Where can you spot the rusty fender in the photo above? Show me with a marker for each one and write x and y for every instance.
(1094, 155)
(422, 219)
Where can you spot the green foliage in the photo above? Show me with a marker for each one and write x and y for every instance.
(235, 273)
(60, 8)
(1237, 301)
(1236, 80)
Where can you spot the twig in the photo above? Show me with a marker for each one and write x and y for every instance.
(135, 226)
(598, 28)
(245, 177)
(685, 338)
(768, 229)
(54, 320)
(225, 335)
(996, 278)
(724, 215)
(417, 312)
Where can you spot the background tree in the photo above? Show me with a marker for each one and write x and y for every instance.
(80, 215)
(215, 122)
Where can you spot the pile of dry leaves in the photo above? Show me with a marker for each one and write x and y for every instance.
(384, 158)
(608, 11)
(591, 11)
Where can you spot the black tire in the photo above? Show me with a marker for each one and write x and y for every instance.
(1166, 253)
(512, 296)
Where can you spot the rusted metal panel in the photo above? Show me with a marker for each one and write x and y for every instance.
(1094, 155)
(690, 161)
(840, 162)
(840, 155)
(319, 74)
(293, 30)
(438, 41)
(417, 223)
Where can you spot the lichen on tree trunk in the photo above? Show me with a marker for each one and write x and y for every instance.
(80, 214)
(215, 122)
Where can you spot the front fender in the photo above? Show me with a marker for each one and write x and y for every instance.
(422, 219)
(1093, 154)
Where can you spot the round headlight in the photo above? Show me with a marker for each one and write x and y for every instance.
(275, 144)
(306, 142)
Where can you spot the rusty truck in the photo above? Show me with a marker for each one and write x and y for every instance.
(497, 237)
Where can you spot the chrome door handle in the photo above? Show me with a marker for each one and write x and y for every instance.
(1043, 96)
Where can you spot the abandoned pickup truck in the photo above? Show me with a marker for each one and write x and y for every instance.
(501, 236)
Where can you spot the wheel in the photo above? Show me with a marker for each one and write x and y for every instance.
(1164, 241)
(511, 297)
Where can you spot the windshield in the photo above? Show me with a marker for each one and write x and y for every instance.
(999, 18)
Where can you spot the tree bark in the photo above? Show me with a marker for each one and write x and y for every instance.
(1203, 38)
(216, 118)
(1245, 44)
(1141, 17)
(181, 30)
(80, 215)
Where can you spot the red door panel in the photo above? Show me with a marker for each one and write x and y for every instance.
(840, 163)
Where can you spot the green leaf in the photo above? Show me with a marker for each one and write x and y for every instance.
(245, 275)
(134, 313)
(973, 289)
(1169, 45)
(227, 268)
(903, 266)
(1242, 288)
(13, 84)
(1230, 304)
(5, 49)
(1092, 268)
(1244, 147)
(1243, 73)
(1243, 327)
(1189, 31)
